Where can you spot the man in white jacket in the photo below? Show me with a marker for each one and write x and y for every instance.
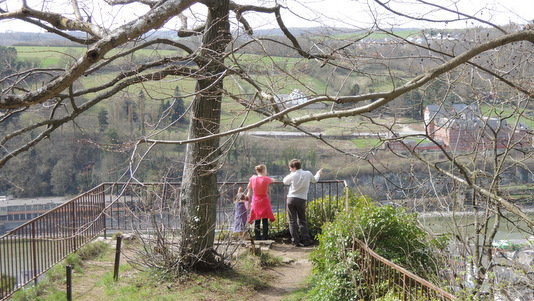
(296, 201)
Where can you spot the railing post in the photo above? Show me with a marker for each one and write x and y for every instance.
(69, 282)
(404, 295)
(103, 195)
(117, 258)
(73, 235)
(346, 189)
(34, 251)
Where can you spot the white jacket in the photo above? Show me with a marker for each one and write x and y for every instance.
(300, 183)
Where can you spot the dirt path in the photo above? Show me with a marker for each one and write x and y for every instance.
(283, 279)
(291, 275)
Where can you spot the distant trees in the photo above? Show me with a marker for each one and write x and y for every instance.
(8, 57)
(103, 119)
(10, 64)
(62, 177)
(178, 107)
(174, 110)
(355, 89)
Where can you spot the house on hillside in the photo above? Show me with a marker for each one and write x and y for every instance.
(296, 97)
(463, 128)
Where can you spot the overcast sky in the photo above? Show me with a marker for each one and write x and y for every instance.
(363, 12)
(308, 13)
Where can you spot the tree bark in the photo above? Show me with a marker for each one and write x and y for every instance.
(199, 183)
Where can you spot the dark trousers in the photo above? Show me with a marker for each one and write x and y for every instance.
(297, 220)
(257, 229)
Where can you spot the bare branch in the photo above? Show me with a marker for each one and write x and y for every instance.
(461, 16)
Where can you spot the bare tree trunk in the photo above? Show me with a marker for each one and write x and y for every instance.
(199, 184)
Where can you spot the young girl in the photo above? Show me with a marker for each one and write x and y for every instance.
(240, 213)
(261, 205)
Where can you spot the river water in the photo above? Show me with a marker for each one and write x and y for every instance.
(510, 227)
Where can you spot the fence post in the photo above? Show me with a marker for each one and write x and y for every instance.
(404, 288)
(346, 188)
(73, 226)
(69, 282)
(103, 200)
(34, 251)
(117, 258)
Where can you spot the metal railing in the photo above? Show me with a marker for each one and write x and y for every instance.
(28, 251)
(132, 207)
(383, 276)
(31, 249)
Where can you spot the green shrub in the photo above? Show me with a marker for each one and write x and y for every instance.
(92, 250)
(7, 283)
(75, 262)
(336, 273)
(319, 212)
(323, 210)
(391, 232)
(394, 234)
(47, 286)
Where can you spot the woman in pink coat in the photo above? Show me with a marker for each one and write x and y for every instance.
(261, 205)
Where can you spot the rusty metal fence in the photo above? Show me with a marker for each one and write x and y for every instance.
(31, 249)
(28, 251)
(383, 276)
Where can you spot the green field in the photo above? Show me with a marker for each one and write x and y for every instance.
(57, 56)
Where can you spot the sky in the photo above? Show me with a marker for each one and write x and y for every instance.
(311, 13)
(361, 13)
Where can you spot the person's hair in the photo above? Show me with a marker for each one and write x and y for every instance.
(240, 196)
(295, 163)
(260, 168)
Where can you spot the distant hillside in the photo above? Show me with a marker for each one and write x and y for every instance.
(50, 39)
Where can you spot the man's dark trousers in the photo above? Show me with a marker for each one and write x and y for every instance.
(297, 220)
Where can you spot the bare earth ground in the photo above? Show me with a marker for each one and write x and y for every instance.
(284, 279)
(291, 275)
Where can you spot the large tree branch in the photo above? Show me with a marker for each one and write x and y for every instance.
(118, 85)
(240, 9)
(155, 18)
(150, 3)
(498, 200)
(142, 46)
(386, 97)
(478, 66)
(58, 21)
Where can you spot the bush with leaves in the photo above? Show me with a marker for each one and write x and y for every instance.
(7, 282)
(391, 232)
(319, 212)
